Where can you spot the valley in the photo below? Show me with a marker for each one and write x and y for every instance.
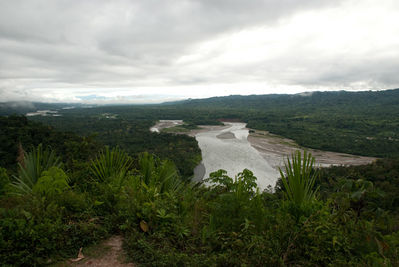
(197, 182)
(233, 147)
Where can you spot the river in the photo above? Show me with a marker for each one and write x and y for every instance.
(229, 149)
(232, 148)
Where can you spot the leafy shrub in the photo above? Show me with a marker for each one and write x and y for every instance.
(238, 201)
(32, 233)
(52, 182)
(4, 181)
(30, 170)
(111, 166)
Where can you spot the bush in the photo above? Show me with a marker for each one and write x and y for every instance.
(31, 236)
(4, 181)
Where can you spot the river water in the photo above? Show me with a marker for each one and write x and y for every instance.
(230, 150)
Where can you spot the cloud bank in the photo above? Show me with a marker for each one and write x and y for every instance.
(150, 51)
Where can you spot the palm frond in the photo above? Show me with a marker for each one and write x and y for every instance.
(299, 178)
(34, 164)
(159, 174)
(110, 164)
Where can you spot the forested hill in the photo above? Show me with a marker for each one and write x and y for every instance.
(18, 134)
(23, 107)
(363, 123)
(328, 100)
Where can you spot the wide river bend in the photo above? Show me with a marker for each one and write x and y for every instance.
(229, 149)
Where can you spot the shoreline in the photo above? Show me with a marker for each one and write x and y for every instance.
(273, 148)
(276, 149)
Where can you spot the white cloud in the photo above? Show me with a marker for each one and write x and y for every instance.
(133, 50)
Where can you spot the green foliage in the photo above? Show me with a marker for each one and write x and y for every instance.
(158, 174)
(168, 222)
(109, 173)
(383, 174)
(30, 236)
(51, 183)
(4, 181)
(233, 225)
(17, 132)
(238, 202)
(299, 178)
(151, 197)
(130, 131)
(31, 169)
(362, 123)
(111, 165)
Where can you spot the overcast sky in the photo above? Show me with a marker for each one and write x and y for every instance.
(150, 51)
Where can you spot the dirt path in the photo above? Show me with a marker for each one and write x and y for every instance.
(108, 253)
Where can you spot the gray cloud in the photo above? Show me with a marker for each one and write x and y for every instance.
(68, 47)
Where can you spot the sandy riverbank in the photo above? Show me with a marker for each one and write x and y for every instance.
(205, 128)
(162, 124)
(275, 149)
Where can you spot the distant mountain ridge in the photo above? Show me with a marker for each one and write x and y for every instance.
(334, 97)
(23, 107)
(362, 123)
(390, 96)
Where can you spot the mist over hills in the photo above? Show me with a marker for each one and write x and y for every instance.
(334, 98)
(23, 107)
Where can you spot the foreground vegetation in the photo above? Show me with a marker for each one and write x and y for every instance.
(47, 216)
